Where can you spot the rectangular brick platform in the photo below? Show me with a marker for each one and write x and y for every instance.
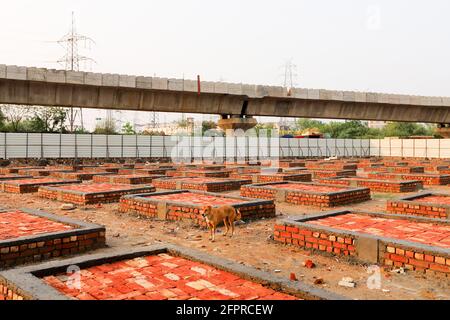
(102, 169)
(201, 184)
(31, 185)
(414, 243)
(10, 170)
(40, 172)
(399, 169)
(200, 173)
(127, 179)
(291, 163)
(184, 204)
(317, 174)
(151, 171)
(308, 194)
(280, 177)
(159, 272)
(84, 194)
(78, 175)
(330, 166)
(14, 177)
(426, 204)
(29, 236)
(427, 179)
(389, 186)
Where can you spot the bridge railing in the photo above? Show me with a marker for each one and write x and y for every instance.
(53, 145)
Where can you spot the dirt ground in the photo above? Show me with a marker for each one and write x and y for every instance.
(252, 246)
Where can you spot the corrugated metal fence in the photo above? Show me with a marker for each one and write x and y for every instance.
(50, 145)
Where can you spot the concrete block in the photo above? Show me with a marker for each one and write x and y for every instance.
(300, 93)
(337, 95)
(405, 99)
(262, 91)
(446, 101)
(349, 96)
(221, 87)
(367, 249)
(436, 101)
(394, 98)
(2, 71)
(207, 86)
(56, 76)
(277, 91)
(16, 73)
(249, 90)
(313, 94)
(175, 84)
(425, 101)
(324, 94)
(93, 79)
(372, 97)
(36, 74)
(110, 80)
(144, 82)
(383, 98)
(235, 88)
(190, 85)
(160, 83)
(127, 81)
(75, 77)
(161, 209)
(360, 97)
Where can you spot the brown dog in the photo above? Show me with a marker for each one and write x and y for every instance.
(227, 214)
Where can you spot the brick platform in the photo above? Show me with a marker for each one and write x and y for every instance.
(158, 272)
(330, 166)
(427, 179)
(126, 179)
(79, 175)
(84, 194)
(30, 236)
(317, 174)
(102, 169)
(10, 170)
(14, 177)
(426, 204)
(40, 172)
(31, 185)
(290, 164)
(414, 243)
(399, 169)
(309, 194)
(152, 171)
(183, 204)
(201, 184)
(200, 173)
(280, 177)
(389, 186)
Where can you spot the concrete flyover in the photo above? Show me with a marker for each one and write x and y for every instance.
(48, 87)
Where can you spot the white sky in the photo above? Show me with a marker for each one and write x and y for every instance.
(399, 46)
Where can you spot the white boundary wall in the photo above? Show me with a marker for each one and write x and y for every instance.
(50, 145)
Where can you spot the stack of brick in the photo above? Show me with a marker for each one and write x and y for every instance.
(427, 179)
(31, 185)
(200, 184)
(308, 194)
(388, 186)
(180, 205)
(126, 179)
(432, 205)
(83, 194)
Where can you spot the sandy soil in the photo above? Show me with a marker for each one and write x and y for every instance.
(252, 246)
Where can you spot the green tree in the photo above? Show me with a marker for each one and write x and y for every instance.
(107, 126)
(128, 128)
(208, 125)
(47, 119)
(406, 129)
(303, 124)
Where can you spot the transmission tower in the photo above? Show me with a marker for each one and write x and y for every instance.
(71, 61)
(290, 80)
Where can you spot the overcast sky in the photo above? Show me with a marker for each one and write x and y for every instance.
(399, 46)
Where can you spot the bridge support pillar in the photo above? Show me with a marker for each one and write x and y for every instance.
(236, 122)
